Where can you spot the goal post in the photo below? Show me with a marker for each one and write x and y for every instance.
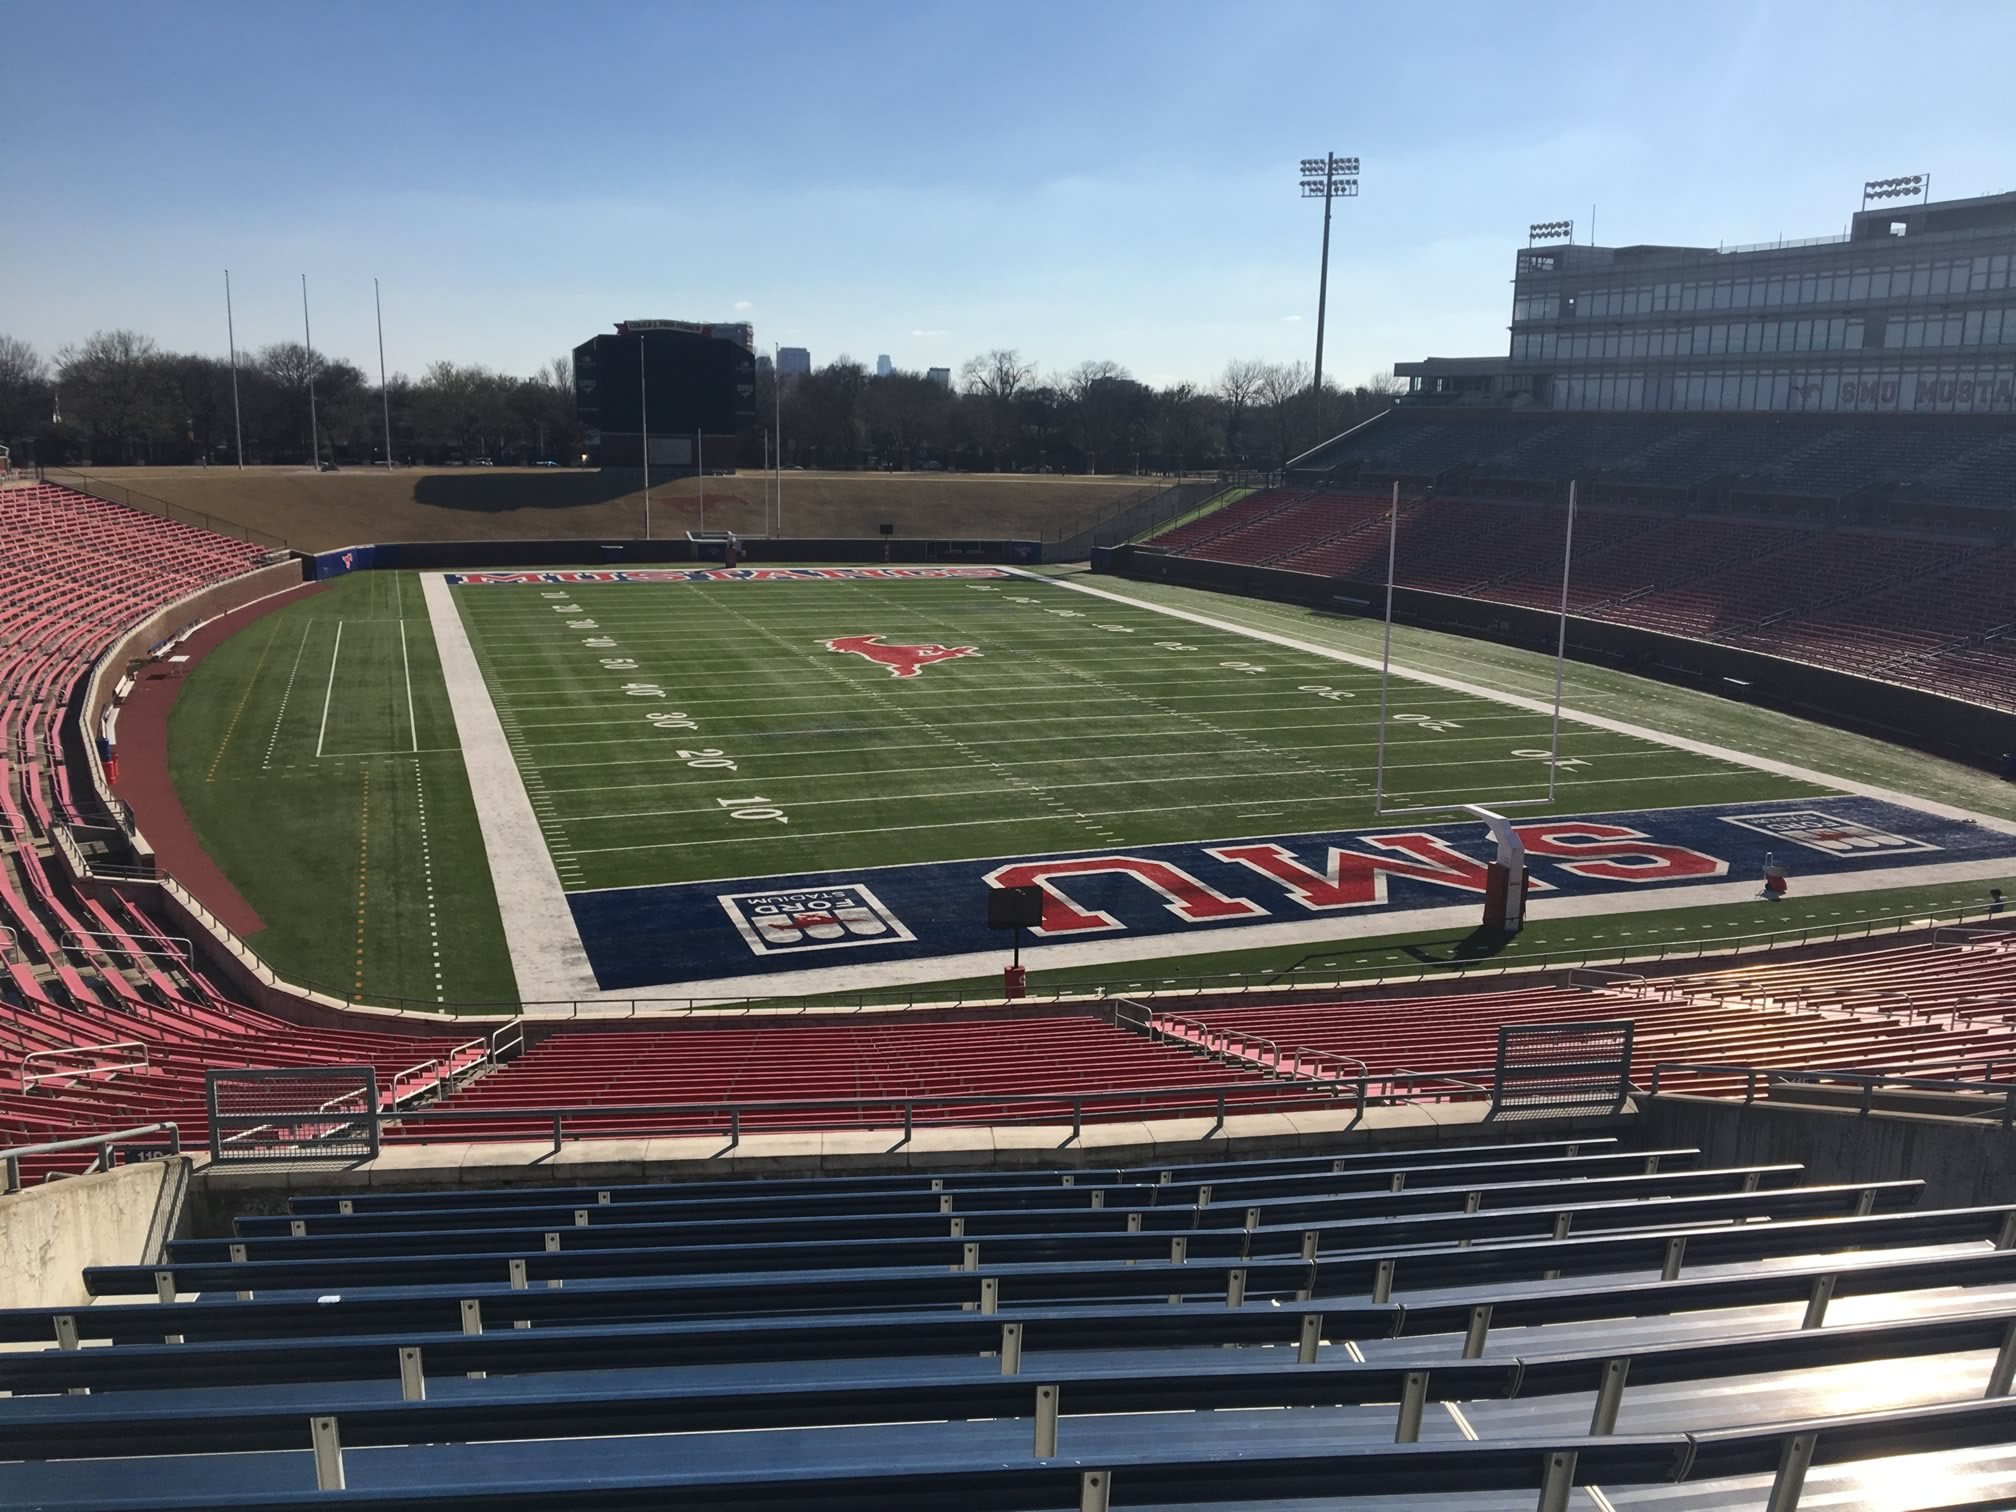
(1505, 874)
(1380, 807)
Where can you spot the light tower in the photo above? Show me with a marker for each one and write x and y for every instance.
(1326, 178)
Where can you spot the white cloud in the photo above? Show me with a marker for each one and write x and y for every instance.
(743, 304)
(927, 333)
(1291, 320)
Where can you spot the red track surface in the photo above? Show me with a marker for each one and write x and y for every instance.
(144, 781)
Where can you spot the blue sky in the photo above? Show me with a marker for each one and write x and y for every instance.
(1097, 179)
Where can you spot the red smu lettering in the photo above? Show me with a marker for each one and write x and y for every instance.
(1612, 853)
(1356, 880)
(1183, 895)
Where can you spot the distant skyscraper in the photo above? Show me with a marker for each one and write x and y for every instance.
(793, 362)
(763, 365)
(883, 366)
(940, 376)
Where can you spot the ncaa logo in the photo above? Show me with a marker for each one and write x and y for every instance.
(795, 920)
(1827, 834)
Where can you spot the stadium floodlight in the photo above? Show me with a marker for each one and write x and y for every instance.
(384, 393)
(1327, 178)
(644, 431)
(1897, 188)
(1555, 230)
(231, 336)
(314, 435)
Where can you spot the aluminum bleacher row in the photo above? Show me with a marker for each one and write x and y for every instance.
(105, 1021)
(1926, 458)
(1036, 1063)
(1467, 1324)
(1927, 1009)
(1933, 612)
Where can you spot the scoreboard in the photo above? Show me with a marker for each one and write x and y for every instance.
(693, 378)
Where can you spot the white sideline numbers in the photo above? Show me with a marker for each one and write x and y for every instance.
(752, 808)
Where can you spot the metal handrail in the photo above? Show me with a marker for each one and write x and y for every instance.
(10, 1160)
(84, 937)
(1868, 1081)
(1461, 1082)
(1329, 1057)
(32, 1079)
(1217, 1096)
(506, 1037)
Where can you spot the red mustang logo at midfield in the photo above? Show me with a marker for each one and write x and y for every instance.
(902, 661)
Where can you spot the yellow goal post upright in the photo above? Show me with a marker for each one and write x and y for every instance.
(1505, 895)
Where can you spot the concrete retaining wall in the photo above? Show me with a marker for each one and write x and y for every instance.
(50, 1233)
(1959, 1161)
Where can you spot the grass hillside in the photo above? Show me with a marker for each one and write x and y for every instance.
(315, 511)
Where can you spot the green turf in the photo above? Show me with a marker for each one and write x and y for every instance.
(275, 744)
(1083, 724)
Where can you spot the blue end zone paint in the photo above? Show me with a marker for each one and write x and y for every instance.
(654, 936)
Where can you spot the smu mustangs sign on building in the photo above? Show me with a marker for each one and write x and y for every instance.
(645, 937)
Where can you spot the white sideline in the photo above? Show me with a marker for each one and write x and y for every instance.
(547, 955)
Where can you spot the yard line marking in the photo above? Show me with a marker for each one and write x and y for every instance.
(1023, 819)
(330, 692)
(402, 751)
(412, 719)
(250, 682)
(1539, 706)
(286, 694)
(994, 724)
(989, 792)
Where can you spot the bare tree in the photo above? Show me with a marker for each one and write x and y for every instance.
(1238, 385)
(1284, 390)
(24, 389)
(111, 379)
(999, 375)
(995, 381)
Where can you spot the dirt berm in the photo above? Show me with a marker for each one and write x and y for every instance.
(315, 511)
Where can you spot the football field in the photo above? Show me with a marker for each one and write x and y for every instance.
(692, 731)
(576, 786)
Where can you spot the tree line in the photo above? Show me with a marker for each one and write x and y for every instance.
(119, 399)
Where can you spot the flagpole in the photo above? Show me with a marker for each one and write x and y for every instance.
(231, 335)
(384, 394)
(1561, 647)
(314, 435)
(644, 425)
(777, 395)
